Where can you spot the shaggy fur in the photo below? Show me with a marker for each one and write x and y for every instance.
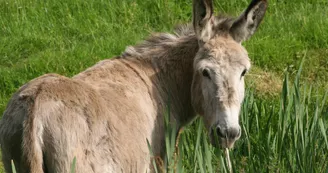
(104, 115)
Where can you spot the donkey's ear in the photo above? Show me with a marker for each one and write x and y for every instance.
(202, 19)
(247, 23)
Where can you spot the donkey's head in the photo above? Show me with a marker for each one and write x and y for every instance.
(220, 66)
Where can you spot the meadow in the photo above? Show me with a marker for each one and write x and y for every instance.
(285, 113)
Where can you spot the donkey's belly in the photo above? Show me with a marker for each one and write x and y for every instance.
(128, 127)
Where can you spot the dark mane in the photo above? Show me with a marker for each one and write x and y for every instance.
(160, 41)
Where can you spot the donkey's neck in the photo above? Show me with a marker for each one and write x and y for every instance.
(170, 59)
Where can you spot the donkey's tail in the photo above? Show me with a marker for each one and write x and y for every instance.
(32, 142)
(20, 133)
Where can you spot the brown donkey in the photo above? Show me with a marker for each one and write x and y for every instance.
(104, 115)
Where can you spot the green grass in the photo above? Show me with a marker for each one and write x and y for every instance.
(283, 133)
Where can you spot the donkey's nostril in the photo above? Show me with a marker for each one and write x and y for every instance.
(220, 132)
(231, 133)
(234, 133)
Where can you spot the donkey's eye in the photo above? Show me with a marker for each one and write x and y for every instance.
(243, 73)
(206, 73)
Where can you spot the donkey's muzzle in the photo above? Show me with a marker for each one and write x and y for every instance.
(225, 137)
(229, 133)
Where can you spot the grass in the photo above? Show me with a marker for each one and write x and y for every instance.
(284, 123)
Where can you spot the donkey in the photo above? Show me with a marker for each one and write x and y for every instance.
(104, 115)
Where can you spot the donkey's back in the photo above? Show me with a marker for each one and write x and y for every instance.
(53, 119)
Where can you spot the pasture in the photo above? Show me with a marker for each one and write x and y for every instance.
(285, 114)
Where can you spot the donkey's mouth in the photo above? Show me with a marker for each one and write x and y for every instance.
(220, 142)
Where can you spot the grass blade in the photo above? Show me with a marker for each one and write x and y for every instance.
(73, 166)
(13, 166)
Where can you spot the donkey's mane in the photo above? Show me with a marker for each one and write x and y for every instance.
(159, 41)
